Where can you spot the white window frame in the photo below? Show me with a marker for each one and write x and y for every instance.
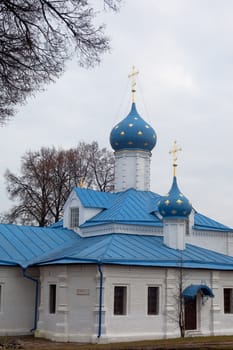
(125, 301)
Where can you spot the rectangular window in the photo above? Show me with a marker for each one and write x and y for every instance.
(52, 298)
(120, 299)
(228, 298)
(187, 227)
(153, 301)
(74, 217)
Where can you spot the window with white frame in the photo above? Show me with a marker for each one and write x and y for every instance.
(74, 217)
(120, 300)
(228, 300)
(153, 300)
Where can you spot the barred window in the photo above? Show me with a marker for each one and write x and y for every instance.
(52, 298)
(228, 300)
(153, 301)
(120, 300)
(1, 297)
(74, 217)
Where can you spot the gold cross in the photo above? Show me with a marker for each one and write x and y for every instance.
(81, 183)
(174, 152)
(132, 76)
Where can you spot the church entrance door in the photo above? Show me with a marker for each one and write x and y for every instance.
(190, 313)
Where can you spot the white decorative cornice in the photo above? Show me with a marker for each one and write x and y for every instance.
(120, 228)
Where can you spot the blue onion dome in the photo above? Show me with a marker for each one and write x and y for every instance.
(174, 204)
(133, 133)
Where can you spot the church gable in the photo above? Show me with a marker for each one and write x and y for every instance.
(82, 205)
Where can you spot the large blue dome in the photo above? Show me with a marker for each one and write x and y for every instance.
(133, 133)
(174, 204)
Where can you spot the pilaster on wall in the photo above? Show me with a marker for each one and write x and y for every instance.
(62, 307)
(171, 297)
(132, 170)
(215, 307)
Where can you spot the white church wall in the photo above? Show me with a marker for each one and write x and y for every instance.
(83, 297)
(17, 301)
(77, 306)
(74, 317)
(222, 321)
(136, 324)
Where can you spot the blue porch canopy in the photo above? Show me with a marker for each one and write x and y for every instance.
(192, 290)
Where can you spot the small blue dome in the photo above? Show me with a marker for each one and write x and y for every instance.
(174, 204)
(133, 133)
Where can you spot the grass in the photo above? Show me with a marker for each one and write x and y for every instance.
(200, 343)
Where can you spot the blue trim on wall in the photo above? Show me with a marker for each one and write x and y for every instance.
(36, 281)
(100, 301)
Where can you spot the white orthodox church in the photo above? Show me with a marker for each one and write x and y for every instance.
(121, 266)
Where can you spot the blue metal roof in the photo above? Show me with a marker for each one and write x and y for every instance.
(25, 245)
(191, 291)
(136, 208)
(94, 199)
(131, 207)
(19, 244)
(138, 250)
(202, 222)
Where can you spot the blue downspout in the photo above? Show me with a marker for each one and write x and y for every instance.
(36, 297)
(100, 301)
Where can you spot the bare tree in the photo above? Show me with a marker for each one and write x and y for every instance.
(178, 314)
(36, 39)
(102, 164)
(48, 176)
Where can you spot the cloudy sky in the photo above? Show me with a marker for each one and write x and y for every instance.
(184, 52)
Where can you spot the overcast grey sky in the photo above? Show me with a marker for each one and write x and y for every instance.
(184, 52)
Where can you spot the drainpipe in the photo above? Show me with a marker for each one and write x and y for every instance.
(36, 281)
(100, 301)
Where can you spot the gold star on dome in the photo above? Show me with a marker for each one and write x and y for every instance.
(167, 202)
(117, 126)
(130, 125)
(135, 118)
(139, 132)
(147, 126)
(122, 133)
(179, 201)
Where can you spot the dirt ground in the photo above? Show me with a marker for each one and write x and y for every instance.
(203, 343)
